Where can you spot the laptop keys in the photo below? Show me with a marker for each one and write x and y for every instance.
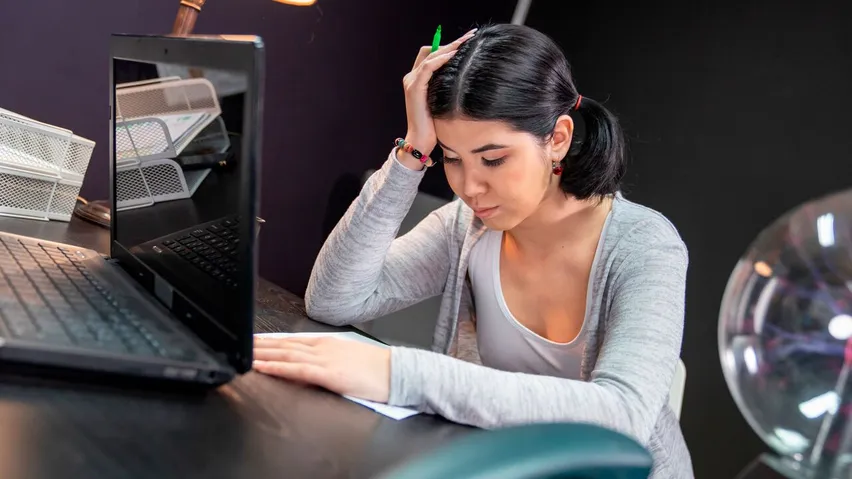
(47, 295)
(212, 250)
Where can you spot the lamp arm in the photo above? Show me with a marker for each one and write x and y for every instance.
(186, 16)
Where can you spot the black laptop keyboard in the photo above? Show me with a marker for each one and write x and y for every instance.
(212, 250)
(48, 295)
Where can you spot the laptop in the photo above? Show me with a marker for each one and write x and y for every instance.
(174, 299)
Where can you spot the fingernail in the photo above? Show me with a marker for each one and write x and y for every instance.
(258, 362)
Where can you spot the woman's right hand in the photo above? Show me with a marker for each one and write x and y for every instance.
(421, 128)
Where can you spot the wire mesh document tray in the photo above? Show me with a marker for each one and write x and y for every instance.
(41, 168)
(156, 121)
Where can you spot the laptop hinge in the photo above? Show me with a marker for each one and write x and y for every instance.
(163, 290)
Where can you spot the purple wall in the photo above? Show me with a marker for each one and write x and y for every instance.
(334, 97)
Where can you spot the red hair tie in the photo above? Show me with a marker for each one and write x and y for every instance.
(579, 99)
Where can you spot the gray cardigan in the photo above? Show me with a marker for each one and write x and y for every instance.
(635, 308)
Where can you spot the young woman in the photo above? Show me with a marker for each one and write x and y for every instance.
(578, 292)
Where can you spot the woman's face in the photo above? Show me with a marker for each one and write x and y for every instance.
(501, 173)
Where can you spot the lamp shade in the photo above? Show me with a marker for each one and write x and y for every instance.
(189, 9)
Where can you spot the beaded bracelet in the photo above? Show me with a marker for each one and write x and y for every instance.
(409, 148)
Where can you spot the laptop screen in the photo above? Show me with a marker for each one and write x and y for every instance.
(182, 216)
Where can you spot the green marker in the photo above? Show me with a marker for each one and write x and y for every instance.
(436, 40)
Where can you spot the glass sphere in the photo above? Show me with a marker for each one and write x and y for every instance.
(785, 327)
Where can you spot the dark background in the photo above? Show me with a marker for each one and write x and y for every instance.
(735, 112)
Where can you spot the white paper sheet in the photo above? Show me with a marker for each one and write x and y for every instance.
(180, 124)
(389, 411)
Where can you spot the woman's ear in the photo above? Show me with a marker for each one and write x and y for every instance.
(560, 141)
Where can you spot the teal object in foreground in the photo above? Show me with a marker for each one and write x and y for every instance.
(540, 451)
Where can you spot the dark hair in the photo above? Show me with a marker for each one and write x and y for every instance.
(520, 76)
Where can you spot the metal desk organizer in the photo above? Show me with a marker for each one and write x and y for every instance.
(156, 121)
(41, 168)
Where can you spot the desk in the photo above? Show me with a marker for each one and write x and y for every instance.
(255, 427)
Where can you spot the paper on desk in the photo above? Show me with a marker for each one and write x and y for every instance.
(389, 411)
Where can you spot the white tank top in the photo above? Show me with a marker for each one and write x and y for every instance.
(503, 342)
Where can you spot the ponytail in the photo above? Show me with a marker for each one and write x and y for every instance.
(595, 163)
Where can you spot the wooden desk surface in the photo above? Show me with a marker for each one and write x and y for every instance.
(255, 427)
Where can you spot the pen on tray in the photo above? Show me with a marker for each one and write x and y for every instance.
(436, 40)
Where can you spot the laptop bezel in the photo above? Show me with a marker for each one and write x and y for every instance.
(229, 52)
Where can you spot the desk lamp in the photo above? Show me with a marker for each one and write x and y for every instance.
(785, 338)
(189, 9)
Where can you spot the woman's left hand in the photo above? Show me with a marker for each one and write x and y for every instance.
(350, 368)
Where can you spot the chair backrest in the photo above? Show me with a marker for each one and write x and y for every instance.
(678, 385)
(540, 451)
